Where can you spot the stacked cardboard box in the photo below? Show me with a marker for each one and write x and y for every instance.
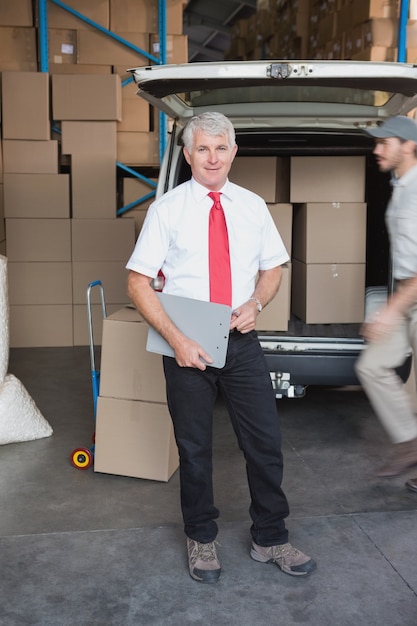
(329, 239)
(134, 433)
(62, 135)
(321, 29)
(61, 228)
(269, 177)
(318, 206)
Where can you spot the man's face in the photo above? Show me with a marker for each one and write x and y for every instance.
(389, 153)
(210, 159)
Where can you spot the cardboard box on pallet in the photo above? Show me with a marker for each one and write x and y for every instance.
(134, 438)
(36, 195)
(25, 105)
(328, 293)
(128, 370)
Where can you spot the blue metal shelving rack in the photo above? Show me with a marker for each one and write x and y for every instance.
(161, 60)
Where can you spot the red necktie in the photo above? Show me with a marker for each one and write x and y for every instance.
(219, 258)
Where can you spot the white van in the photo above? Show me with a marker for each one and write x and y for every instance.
(301, 113)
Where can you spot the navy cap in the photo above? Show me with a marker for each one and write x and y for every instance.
(401, 126)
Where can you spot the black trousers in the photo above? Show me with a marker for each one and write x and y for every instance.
(245, 385)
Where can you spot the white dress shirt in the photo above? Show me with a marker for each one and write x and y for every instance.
(174, 238)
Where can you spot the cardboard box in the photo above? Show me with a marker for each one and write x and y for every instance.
(81, 325)
(133, 190)
(127, 369)
(86, 97)
(327, 179)
(381, 32)
(332, 293)
(37, 326)
(138, 148)
(142, 16)
(282, 215)
(25, 105)
(102, 239)
(83, 138)
(94, 193)
(363, 10)
(41, 240)
(18, 49)
(330, 232)
(62, 46)
(377, 53)
(70, 68)
(16, 13)
(40, 283)
(2, 223)
(30, 157)
(95, 10)
(278, 312)
(136, 116)
(266, 176)
(176, 48)
(101, 49)
(134, 438)
(36, 195)
(93, 167)
(113, 275)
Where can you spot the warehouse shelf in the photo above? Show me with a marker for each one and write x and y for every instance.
(44, 67)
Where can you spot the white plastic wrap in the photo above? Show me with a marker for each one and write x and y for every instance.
(4, 319)
(20, 418)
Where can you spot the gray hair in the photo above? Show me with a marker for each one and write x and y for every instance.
(210, 122)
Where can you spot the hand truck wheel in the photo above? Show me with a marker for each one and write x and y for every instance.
(82, 458)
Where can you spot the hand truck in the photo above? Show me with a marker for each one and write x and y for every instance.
(82, 458)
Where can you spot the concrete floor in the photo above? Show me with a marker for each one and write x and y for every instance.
(89, 549)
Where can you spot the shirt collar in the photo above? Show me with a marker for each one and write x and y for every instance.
(405, 178)
(199, 191)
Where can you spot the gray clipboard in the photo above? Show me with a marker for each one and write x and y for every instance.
(205, 322)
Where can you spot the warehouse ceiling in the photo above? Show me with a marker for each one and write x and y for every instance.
(208, 24)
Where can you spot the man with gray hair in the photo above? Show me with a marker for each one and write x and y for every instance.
(392, 330)
(216, 241)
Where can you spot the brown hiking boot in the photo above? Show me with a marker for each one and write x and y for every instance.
(203, 562)
(288, 558)
(403, 456)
